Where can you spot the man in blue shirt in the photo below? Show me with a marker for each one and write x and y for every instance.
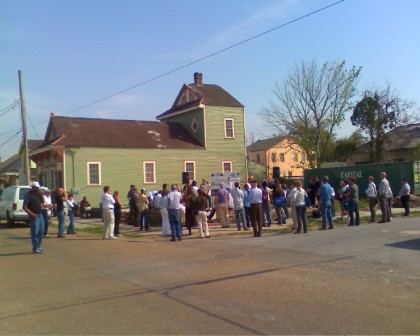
(325, 195)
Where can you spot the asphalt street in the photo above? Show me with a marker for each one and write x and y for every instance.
(350, 280)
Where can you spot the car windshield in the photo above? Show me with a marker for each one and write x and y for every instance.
(23, 192)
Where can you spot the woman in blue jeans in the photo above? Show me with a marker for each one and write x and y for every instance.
(300, 205)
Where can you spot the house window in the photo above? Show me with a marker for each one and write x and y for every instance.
(194, 125)
(229, 128)
(227, 166)
(189, 167)
(273, 157)
(149, 172)
(290, 173)
(295, 157)
(303, 157)
(258, 158)
(94, 173)
(281, 157)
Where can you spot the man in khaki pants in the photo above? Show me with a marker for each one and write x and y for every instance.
(222, 205)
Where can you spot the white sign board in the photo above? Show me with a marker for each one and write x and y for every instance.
(228, 178)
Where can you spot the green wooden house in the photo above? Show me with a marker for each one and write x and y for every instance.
(202, 133)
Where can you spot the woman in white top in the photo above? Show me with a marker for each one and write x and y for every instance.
(300, 205)
(166, 226)
(71, 204)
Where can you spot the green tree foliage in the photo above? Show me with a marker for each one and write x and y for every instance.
(311, 103)
(345, 147)
(380, 111)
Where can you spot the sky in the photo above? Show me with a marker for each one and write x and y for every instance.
(73, 53)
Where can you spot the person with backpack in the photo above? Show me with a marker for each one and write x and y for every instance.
(266, 206)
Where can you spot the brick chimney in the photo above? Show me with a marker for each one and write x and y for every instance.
(198, 79)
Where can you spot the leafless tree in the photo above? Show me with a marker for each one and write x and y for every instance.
(312, 100)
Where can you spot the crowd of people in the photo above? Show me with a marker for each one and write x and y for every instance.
(251, 203)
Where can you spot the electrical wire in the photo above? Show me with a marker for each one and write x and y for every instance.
(9, 108)
(30, 121)
(1, 145)
(194, 62)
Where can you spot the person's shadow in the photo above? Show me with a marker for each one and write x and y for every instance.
(14, 254)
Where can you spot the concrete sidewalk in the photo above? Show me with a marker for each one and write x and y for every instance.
(215, 228)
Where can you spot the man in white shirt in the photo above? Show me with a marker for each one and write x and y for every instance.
(46, 211)
(108, 202)
(290, 199)
(238, 206)
(405, 196)
(255, 199)
(372, 196)
(383, 191)
(174, 200)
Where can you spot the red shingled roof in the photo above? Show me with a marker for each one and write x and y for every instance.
(108, 133)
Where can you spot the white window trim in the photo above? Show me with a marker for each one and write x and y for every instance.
(233, 128)
(99, 172)
(154, 172)
(195, 168)
(223, 166)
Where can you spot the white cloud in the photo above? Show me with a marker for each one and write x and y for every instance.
(262, 20)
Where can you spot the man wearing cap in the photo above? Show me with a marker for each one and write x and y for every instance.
(144, 208)
(222, 205)
(46, 211)
(32, 205)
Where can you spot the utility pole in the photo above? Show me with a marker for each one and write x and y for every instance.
(25, 138)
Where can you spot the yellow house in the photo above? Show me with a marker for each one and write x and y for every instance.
(281, 156)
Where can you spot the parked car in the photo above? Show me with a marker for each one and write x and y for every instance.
(11, 204)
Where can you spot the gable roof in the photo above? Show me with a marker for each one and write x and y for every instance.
(265, 144)
(11, 164)
(108, 133)
(401, 137)
(206, 94)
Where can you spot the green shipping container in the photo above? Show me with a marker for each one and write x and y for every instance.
(395, 172)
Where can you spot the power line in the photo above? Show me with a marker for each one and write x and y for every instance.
(1, 145)
(194, 62)
(9, 108)
(30, 121)
(205, 57)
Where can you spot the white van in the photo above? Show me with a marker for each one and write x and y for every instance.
(11, 204)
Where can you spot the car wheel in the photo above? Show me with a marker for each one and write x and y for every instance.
(10, 221)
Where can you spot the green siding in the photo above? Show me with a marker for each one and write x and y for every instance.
(186, 119)
(122, 167)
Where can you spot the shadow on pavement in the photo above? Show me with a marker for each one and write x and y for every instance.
(14, 254)
(413, 244)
